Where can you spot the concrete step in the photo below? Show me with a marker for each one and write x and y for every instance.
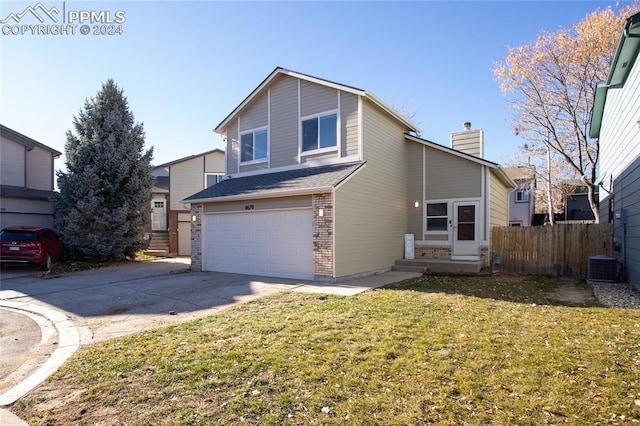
(155, 252)
(438, 266)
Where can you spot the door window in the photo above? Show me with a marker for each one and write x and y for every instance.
(466, 223)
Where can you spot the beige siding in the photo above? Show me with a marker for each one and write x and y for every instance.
(187, 178)
(349, 122)
(232, 148)
(253, 167)
(214, 162)
(255, 115)
(283, 141)
(449, 176)
(12, 163)
(39, 169)
(370, 208)
(315, 98)
(414, 189)
(254, 205)
(470, 142)
(498, 202)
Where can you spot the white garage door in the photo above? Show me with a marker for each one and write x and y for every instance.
(273, 243)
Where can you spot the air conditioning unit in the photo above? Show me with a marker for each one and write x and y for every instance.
(602, 268)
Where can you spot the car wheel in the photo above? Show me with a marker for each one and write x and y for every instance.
(46, 264)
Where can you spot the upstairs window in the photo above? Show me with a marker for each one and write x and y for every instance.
(253, 146)
(522, 196)
(212, 179)
(320, 132)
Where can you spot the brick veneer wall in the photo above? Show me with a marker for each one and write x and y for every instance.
(196, 237)
(322, 235)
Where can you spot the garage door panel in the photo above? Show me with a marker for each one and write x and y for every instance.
(274, 243)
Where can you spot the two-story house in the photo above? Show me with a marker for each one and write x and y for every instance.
(26, 180)
(616, 124)
(323, 181)
(522, 201)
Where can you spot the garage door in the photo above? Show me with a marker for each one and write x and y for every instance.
(274, 243)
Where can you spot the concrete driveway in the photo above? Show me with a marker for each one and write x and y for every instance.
(42, 315)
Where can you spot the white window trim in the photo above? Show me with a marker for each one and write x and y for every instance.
(449, 204)
(525, 199)
(319, 150)
(449, 231)
(254, 130)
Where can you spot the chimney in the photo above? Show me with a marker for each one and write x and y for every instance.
(468, 141)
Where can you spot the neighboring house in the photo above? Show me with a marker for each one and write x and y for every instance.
(522, 201)
(616, 124)
(26, 180)
(324, 180)
(575, 201)
(184, 177)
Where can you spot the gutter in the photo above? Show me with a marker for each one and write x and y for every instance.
(254, 196)
(623, 61)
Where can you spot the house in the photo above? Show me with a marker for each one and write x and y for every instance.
(522, 201)
(324, 180)
(26, 180)
(175, 180)
(575, 201)
(616, 123)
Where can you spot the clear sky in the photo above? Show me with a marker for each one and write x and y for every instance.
(185, 65)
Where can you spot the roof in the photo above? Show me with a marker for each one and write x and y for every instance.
(279, 71)
(520, 173)
(502, 174)
(190, 157)
(8, 191)
(626, 55)
(308, 180)
(160, 185)
(25, 140)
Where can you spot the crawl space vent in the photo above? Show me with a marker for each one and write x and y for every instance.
(602, 268)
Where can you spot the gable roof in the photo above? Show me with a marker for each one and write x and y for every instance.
(625, 57)
(502, 174)
(521, 172)
(279, 71)
(25, 140)
(189, 157)
(305, 181)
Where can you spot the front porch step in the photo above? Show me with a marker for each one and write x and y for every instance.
(437, 266)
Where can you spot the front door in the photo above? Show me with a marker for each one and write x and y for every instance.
(466, 229)
(158, 213)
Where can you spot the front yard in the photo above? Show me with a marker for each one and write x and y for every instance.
(448, 350)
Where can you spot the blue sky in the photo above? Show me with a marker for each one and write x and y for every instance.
(185, 65)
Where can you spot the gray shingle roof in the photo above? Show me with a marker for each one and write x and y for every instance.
(7, 191)
(278, 183)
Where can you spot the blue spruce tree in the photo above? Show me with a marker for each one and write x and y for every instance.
(107, 185)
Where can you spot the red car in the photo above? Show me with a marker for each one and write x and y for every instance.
(30, 245)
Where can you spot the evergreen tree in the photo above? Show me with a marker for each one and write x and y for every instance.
(107, 185)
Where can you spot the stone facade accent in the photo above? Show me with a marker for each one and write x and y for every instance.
(322, 235)
(196, 237)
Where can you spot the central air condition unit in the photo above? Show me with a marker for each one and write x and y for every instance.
(602, 268)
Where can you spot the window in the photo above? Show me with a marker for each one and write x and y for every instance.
(158, 204)
(320, 132)
(522, 196)
(253, 146)
(212, 179)
(437, 217)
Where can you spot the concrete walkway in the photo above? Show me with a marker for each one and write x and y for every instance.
(62, 313)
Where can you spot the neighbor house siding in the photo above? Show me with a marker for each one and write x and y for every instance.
(12, 163)
(521, 211)
(415, 168)
(498, 202)
(284, 122)
(39, 169)
(214, 163)
(349, 122)
(187, 178)
(620, 166)
(449, 176)
(370, 209)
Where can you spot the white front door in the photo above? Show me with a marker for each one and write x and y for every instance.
(466, 229)
(158, 213)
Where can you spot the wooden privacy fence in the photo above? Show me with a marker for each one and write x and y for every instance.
(550, 250)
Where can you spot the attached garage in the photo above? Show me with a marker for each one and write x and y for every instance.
(277, 243)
